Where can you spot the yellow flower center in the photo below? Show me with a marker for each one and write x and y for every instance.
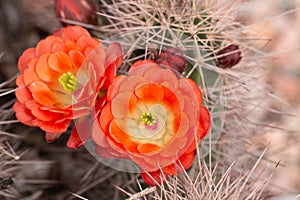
(148, 118)
(68, 82)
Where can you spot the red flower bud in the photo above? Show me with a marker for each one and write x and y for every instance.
(231, 56)
(172, 58)
(76, 10)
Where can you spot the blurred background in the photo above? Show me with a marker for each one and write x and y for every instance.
(278, 21)
(24, 22)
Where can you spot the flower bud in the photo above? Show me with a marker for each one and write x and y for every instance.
(229, 56)
(172, 58)
(76, 10)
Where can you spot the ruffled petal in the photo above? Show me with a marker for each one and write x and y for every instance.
(30, 74)
(22, 93)
(85, 43)
(44, 115)
(44, 71)
(59, 62)
(23, 114)
(72, 33)
(174, 101)
(76, 58)
(150, 92)
(120, 105)
(45, 45)
(117, 134)
(147, 148)
(106, 117)
(99, 136)
(114, 55)
(204, 121)
(161, 76)
(113, 89)
(52, 127)
(42, 94)
(25, 58)
(184, 162)
(140, 67)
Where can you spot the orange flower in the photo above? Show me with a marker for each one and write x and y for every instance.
(59, 79)
(153, 118)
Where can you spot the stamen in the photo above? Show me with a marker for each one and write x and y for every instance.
(148, 118)
(68, 82)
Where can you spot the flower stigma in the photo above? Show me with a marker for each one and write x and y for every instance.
(68, 82)
(148, 118)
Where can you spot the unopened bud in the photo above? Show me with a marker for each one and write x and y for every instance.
(229, 56)
(172, 58)
(76, 10)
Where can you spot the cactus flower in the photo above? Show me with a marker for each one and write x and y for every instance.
(60, 79)
(153, 118)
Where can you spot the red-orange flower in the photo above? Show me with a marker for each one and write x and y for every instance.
(60, 79)
(153, 118)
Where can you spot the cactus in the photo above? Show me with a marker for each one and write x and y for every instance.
(201, 40)
(221, 57)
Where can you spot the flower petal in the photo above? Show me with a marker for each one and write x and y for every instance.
(204, 120)
(151, 92)
(86, 42)
(44, 71)
(30, 74)
(23, 114)
(22, 93)
(140, 67)
(58, 45)
(44, 115)
(25, 58)
(45, 45)
(114, 55)
(189, 88)
(76, 58)
(42, 94)
(51, 137)
(117, 134)
(99, 136)
(161, 76)
(72, 33)
(174, 101)
(120, 105)
(184, 162)
(147, 148)
(80, 133)
(52, 127)
(106, 117)
(153, 178)
(60, 62)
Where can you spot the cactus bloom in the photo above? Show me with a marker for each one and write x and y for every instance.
(153, 118)
(60, 79)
